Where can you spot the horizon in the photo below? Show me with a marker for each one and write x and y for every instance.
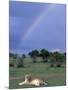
(36, 26)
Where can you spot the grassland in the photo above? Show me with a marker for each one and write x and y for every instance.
(53, 76)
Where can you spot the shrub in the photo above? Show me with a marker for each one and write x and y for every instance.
(51, 65)
(20, 65)
(19, 62)
(11, 64)
(34, 61)
(58, 65)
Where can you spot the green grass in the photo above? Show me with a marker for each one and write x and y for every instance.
(53, 76)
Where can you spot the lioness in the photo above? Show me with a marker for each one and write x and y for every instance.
(32, 81)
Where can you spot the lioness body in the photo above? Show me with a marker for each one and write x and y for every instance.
(32, 81)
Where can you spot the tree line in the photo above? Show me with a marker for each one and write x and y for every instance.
(54, 58)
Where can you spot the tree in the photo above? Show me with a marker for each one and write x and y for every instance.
(11, 59)
(11, 55)
(51, 58)
(59, 58)
(64, 56)
(19, 62)
(34, 54)
(15, 56)
(44, 54)
(23, 56)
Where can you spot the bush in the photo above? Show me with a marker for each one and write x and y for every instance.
(58, 65)
(11, 64)
(34, 61)
(20, 65)
(51, 65)
(19, 62)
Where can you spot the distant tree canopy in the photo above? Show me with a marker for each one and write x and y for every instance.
(11, 54)
(47, 56)
(23, 56)
(44, 54)
(33, 54)
(58, 57)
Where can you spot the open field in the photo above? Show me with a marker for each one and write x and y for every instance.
(53, 76)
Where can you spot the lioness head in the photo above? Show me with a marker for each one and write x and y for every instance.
(28, 77)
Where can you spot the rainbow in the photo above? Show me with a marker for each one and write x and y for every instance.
(29, 31)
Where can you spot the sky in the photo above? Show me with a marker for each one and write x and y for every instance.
(36, 26)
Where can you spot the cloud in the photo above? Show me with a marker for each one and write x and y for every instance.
(56, 50)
